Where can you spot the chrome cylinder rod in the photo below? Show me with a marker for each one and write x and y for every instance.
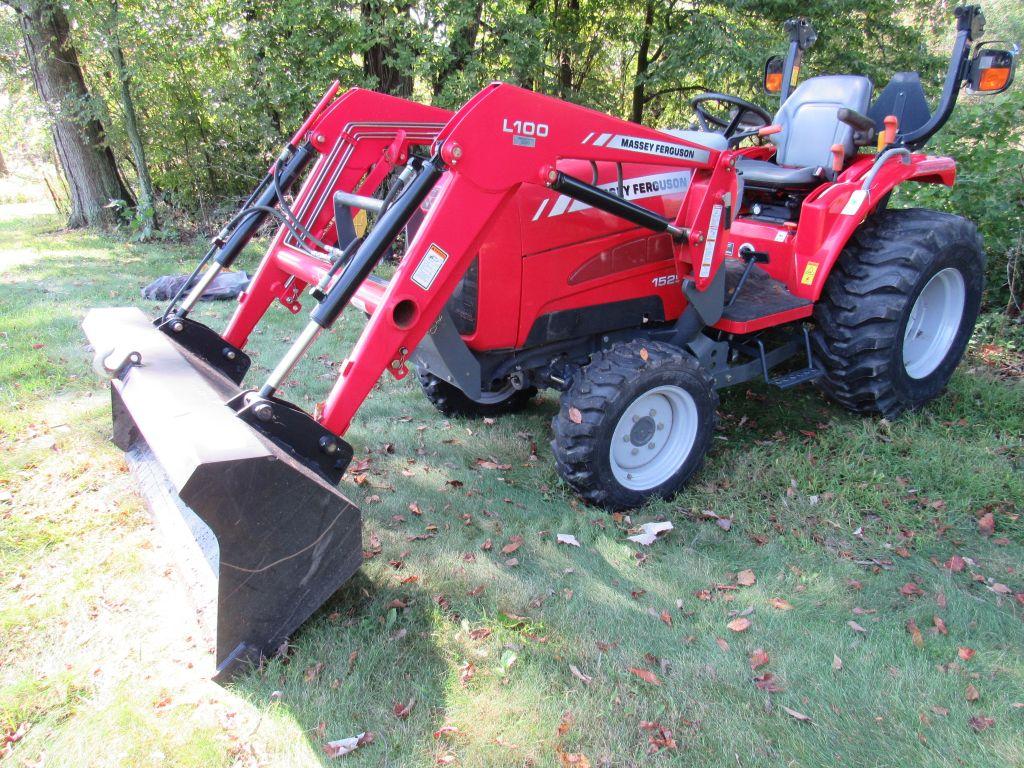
(291, 358)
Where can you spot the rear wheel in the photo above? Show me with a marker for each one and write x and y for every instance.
(452, 401)
(899, 309)
(634, 425)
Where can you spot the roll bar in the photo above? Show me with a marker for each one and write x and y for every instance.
(970, 26)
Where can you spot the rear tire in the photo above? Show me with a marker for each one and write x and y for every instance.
(630, 429)
(898, 310)
(452, 401)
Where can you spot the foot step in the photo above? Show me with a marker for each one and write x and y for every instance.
(789, 380)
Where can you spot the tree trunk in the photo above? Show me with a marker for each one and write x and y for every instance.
(565, 78)
(4, 170)
(131, 119)
(642, 64)
(461, 47)
(87, 162)
(377, 61)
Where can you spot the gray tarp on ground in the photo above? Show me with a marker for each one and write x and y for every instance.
(226, 286)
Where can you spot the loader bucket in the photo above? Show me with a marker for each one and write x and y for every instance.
(285, 539)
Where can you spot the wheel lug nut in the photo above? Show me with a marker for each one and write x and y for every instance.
(636, 419)
(661, 426)
(651, 446)
(625, 438)
(653, 413)
(635, 451)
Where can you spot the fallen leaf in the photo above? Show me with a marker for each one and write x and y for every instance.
(915, 633)
(466, 672)
(487, 546)
(586, 679)
(565, 724)
(476, 591)
(649, 532)
(739, 625)
(940, 625)
(644, 354)
(758, 658)
(856, 627)
(444, 730)
(837, 663)
(480, 633)
(956, 564)
(910, 589)
(796, 715)
(971, 694)
(342, 747)
(646, 675)
(987, 524)
(965, 653)
(401, 710)
(1001, 589)
(490, 464)
(722, 643)
(572, 759)
(575, 416)
(779, 604)
(746, 578)
(666, 617)
(514, 543)
(766, 682)
(567, 538)
(980, 723)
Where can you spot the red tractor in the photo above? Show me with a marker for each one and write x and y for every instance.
(636, 271)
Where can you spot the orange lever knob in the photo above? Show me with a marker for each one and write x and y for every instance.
(838, 157)
(768, 130)
(891, 124)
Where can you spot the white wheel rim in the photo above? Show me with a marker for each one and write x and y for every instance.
(933, 323)
(654, 437)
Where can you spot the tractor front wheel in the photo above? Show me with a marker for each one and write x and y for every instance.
(635, 424)
(452, 401)
(898, 310)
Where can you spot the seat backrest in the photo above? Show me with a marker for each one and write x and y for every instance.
(810, 119)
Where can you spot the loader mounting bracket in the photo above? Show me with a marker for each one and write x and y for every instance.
(295, 431)
(207, 345)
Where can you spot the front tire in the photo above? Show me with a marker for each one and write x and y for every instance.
(635, 424)
(452, 401)
(898, 310)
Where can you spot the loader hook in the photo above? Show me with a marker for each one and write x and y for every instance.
(100, 363)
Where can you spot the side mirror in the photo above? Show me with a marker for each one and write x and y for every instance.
(773, 70)
(991, 69)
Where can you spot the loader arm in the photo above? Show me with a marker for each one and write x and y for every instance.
(503, 138)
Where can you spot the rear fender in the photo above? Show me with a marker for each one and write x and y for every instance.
(831, 216)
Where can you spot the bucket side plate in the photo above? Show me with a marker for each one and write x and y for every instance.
(287, 539)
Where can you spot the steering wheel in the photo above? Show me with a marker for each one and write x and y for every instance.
(736, 119)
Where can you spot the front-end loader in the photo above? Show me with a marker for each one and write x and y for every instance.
(636, 271)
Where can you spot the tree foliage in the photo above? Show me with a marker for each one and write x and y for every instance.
(217, 84)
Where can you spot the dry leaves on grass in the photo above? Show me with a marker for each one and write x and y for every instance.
(779, 604)
(746, 578)
(987, 524)
(514, 543)
(492, 464)
(572, 759)
(837, 663)
(648, 532)
(646, 675)
(796, 715)
(971, 694)
(956, 564)
(402, 711)
(915, 633)
(343, 747)
(981, 723)
(741, 624)
(759, 658)
(965, 653)
(567, 538)
(856, 627)
(583, 678)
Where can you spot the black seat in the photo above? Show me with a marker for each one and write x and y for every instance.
(810, 127)
(765, 173)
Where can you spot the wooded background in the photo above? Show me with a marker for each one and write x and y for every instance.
(175, 110)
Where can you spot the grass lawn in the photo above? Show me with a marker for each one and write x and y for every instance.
(870, 650)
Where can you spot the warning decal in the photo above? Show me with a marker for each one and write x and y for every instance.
(809, 272)
(429, 266)
(712, 240)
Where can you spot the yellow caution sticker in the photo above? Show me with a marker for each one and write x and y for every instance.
(809, 272)
(359, 222)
